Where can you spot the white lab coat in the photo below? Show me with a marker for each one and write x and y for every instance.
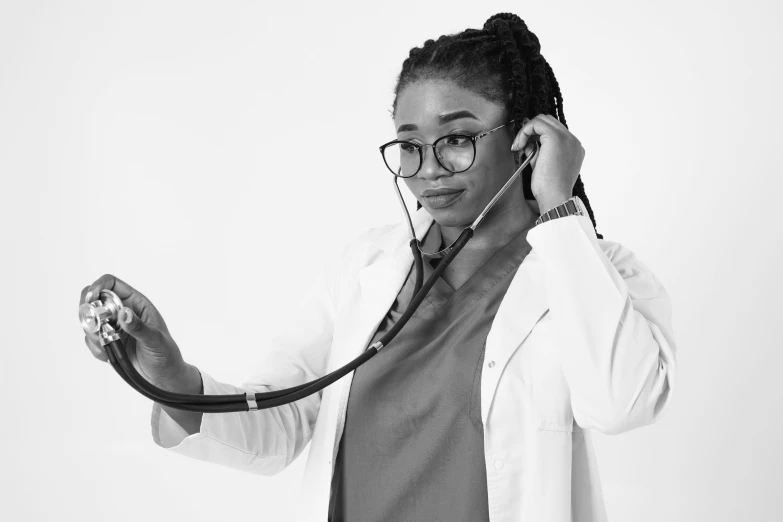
(582, 341)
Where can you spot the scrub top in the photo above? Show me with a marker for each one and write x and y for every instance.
(413, 443)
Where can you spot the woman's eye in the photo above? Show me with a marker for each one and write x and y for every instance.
(408, 147)
(457, 141)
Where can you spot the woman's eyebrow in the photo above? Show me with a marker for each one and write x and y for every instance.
(445, 118)
(442, 118)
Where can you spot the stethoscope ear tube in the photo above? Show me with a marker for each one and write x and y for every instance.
(421, 294)
(243, 402)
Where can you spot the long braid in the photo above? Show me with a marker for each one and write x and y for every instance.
(521, 93)
(480, 60)
(558, 96)
(579, 187)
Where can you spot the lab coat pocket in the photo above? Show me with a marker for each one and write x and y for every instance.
(552, 447)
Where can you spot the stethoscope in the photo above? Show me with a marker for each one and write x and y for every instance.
(100, 316)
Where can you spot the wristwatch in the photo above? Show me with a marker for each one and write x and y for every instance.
(571, 207)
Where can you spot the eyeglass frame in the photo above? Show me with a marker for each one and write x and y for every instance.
(420, 148)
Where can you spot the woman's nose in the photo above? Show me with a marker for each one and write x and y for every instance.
(430, 167)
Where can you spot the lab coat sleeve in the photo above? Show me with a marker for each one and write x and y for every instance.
(613, 324)
(264, 442)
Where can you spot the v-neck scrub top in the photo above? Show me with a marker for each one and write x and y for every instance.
(413, 442)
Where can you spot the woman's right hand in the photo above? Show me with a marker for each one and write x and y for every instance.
(147, 341)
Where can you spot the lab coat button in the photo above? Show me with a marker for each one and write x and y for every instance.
(491, 364)
(498, 464)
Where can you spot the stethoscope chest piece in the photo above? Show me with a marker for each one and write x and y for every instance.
(101, 315)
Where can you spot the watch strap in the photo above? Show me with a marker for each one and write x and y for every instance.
(571, 207)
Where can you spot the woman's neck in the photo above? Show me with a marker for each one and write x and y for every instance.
(508, 218)
(510, 215)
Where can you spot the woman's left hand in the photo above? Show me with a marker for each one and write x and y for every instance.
(559, 159)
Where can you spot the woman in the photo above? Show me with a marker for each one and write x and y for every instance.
(537, 331)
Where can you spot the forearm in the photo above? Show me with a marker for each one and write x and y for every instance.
(614, 332)
(189, 382)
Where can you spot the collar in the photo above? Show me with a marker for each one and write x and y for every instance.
(395, 237)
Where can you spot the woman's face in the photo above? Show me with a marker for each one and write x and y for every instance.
(429, 109)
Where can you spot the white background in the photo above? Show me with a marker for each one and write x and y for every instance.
(191, 149)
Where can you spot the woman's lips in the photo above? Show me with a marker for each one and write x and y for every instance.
(442, 200)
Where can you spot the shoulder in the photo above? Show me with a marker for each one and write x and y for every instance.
(370, 242)
(378, 234)
(363, 249)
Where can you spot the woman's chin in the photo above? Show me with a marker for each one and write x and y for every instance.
(451, 216)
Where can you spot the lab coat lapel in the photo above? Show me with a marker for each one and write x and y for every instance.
(389, 260)
(380, 283)
(381, 280)
(523, 305)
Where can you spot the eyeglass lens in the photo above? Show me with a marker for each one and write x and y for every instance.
(454, 153)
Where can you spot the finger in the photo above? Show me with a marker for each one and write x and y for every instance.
(528, 147)
(97, 352)
(130, 297)
(538, 126)
(82, 297)
(94, 339)
(136, 328)
(127, 294)
(530, 150)
(109, 282)
(554, 121)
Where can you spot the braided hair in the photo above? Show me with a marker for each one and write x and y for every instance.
(501, 62)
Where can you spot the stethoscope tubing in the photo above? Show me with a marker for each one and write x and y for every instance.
(263, 400)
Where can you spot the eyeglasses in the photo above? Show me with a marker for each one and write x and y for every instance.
(454, 152)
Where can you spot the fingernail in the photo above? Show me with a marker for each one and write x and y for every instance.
(88, 297)
(128, 316)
